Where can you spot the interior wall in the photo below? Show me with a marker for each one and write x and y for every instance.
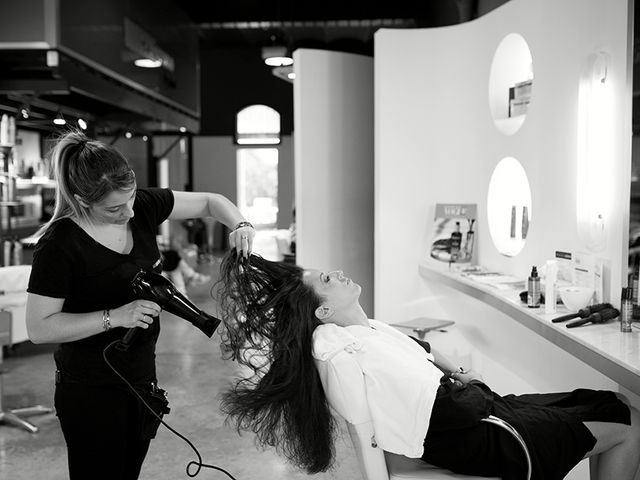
(333, 132)
(436, 140)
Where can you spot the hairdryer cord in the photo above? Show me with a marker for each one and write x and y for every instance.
(199, 465)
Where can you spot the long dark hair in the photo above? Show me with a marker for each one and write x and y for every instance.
(269, 315)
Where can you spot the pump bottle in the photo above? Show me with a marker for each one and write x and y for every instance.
(533, 289)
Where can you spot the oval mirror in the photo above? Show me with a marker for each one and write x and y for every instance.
(510, 83)
(509, 206)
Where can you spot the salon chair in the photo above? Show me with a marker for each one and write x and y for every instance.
(343, 383)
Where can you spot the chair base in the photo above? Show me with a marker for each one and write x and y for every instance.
(13, 417)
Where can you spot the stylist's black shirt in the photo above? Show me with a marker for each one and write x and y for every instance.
(68, 263)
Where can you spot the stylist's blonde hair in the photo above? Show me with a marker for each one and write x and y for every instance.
(87, 168)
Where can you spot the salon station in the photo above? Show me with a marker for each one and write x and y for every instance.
(438, 172)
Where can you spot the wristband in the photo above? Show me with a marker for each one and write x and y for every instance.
(106, 320)
(243, 224)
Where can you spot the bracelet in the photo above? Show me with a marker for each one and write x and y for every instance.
(106, 320)
(243, 224)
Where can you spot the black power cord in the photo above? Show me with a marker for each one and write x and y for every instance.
(199, 465)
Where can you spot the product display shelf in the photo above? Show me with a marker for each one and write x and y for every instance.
(602, 346)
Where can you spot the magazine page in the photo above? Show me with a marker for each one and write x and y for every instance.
(453, 233)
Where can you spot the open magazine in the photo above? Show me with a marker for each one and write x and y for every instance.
(453, 233)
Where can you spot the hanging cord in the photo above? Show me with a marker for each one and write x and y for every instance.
(198, 465)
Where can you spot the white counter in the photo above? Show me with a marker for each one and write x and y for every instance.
(601, 346)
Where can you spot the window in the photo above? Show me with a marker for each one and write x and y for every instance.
(258, 185)
(258, 125)
(257, 166)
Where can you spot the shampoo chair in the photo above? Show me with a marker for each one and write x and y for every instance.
(343, 383)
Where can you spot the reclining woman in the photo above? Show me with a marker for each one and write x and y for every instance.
(279, 318)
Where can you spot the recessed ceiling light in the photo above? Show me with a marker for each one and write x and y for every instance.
(59, 119)
(147, 63)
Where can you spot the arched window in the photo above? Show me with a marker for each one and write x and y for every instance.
(257, 133)
(258, 125)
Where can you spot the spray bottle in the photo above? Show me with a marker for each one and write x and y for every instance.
(533, 289)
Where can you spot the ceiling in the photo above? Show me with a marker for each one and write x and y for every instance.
(239, 24)
(339, 25)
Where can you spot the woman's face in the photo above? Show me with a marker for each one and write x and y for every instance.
(336, 289)
(114, 208)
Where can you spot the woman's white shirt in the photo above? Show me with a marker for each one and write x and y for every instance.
(401, 381)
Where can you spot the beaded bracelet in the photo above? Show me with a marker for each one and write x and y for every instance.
(243, 224)
(106, 320)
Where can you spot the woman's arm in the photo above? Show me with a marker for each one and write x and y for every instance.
(47, 323)
(450, 368)
(203, 204)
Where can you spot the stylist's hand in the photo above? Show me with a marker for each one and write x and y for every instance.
(242, 240)
(139, 313)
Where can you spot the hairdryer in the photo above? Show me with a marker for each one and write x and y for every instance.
(153, 286)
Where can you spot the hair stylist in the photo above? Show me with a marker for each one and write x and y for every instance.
(103, 231)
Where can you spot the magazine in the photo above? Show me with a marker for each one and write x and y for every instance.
(453, 233)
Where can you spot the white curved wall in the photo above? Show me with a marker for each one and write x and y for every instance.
(436, 140)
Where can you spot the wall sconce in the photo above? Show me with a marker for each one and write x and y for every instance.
(594, 151)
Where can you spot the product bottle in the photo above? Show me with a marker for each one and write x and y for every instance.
(11, 132)
(4, 129)
(550, 286)
(533, 289)
(635, 277)
(6, 253)
(626, 309)
(512, 230)
(17, 252)
(454, 243)
(525, 222)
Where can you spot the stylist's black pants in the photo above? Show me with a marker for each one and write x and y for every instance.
(101, 426)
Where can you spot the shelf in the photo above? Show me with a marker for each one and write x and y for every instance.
(602, 346)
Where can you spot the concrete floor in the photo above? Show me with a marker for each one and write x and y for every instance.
(191, 369)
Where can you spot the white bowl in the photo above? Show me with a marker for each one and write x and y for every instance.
(575, 298)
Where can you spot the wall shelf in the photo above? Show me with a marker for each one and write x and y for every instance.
(602, 346)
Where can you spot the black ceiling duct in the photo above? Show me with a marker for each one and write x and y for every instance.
(84, 56)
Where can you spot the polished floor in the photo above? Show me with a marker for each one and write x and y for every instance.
(191, 369)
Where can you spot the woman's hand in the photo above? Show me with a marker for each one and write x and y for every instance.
(139, 313)
(465, 376)
(242, 239)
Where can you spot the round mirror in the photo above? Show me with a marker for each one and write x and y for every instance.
(509, 206)
(510, 83)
